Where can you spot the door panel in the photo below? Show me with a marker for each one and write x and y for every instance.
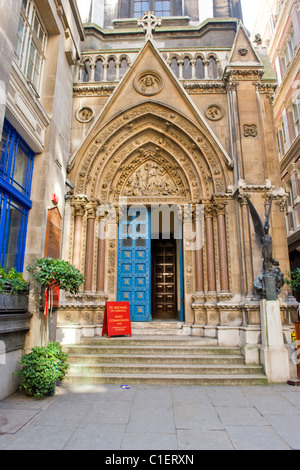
(134, 264)
(164, 298)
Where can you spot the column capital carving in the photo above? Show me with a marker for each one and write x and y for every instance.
(79, 203)
(91, 209)
(220, 205)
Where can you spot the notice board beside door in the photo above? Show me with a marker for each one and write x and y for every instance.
(116, 320)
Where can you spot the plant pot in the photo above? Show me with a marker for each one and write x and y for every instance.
(13, 303)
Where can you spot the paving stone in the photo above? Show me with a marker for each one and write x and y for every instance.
(255, 438)
(13, 420)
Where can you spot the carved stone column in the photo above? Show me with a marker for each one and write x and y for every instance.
(89, 254)
(79, 210)
(246, 238)
(210, 255)
(223, 258)
(101, 256)
(199, 220)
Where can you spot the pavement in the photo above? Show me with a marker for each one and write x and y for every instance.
(177, 419)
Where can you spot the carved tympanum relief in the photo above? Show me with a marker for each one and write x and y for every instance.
(150, 179)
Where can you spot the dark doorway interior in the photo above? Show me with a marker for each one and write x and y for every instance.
(164, 286)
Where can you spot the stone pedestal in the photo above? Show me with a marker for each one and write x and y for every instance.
(273, 354)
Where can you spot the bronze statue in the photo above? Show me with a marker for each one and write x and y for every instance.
(269, 283)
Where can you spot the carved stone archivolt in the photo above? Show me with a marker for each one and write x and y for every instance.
(111, 157)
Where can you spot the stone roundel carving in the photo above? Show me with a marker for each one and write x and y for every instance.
(214, 112)
(85, 114)
(148, 83)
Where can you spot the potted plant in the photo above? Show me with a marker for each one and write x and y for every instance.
(13, 292)
(54, 273)
(42, 369)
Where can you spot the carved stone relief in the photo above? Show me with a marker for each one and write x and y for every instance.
(150, 179)
(148, 83)
(214, 112)
(250, 130)
(85, 114)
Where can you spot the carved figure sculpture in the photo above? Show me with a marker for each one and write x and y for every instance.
(269, 283)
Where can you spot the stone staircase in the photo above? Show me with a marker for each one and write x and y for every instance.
(159, 360)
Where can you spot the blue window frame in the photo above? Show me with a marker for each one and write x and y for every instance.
(16, 166)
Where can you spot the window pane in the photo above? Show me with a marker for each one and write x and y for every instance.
(4, 152)
(20, 170)
(199, 68)
(163, 8)
(187, 68)
(123, 67)
(212, 68)
(140, 8)
(175, 66)
(99, 71)
(19, 42)
(111, 70)
(12, 242)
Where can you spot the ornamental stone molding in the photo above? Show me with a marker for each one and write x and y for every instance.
(250, 130)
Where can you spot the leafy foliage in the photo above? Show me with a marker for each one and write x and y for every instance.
(12, 282)
(41, 369)
(294, 279)
(56, 272)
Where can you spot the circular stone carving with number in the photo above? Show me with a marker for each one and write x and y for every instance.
(214, 112)
(148, 83)
(85, 114)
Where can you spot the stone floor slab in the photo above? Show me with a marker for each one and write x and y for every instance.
(255, 438)
(13, 420)
(203, 440)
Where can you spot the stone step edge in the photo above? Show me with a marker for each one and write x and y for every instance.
(230, 357)
(168, 376)
(131, 369)
(151, 346)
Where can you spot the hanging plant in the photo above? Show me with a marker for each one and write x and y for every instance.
(53, 273)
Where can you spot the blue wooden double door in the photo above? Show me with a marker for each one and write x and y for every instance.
(149, 271)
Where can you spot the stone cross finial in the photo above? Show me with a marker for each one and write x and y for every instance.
(149, 23)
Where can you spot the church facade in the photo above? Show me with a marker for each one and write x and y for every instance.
(172, 132)
(139, 140)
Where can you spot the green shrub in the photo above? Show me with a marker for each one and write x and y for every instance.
(12, 282)
(41, 369)
(294, 279)
(55, 351)
(56, 272)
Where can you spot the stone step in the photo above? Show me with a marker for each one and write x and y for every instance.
(162, 360)
(155, 359)
(178, 379)
(166, 369)
(149, 349)
(146, 340)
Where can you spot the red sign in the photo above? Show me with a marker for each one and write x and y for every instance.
(116, 319)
